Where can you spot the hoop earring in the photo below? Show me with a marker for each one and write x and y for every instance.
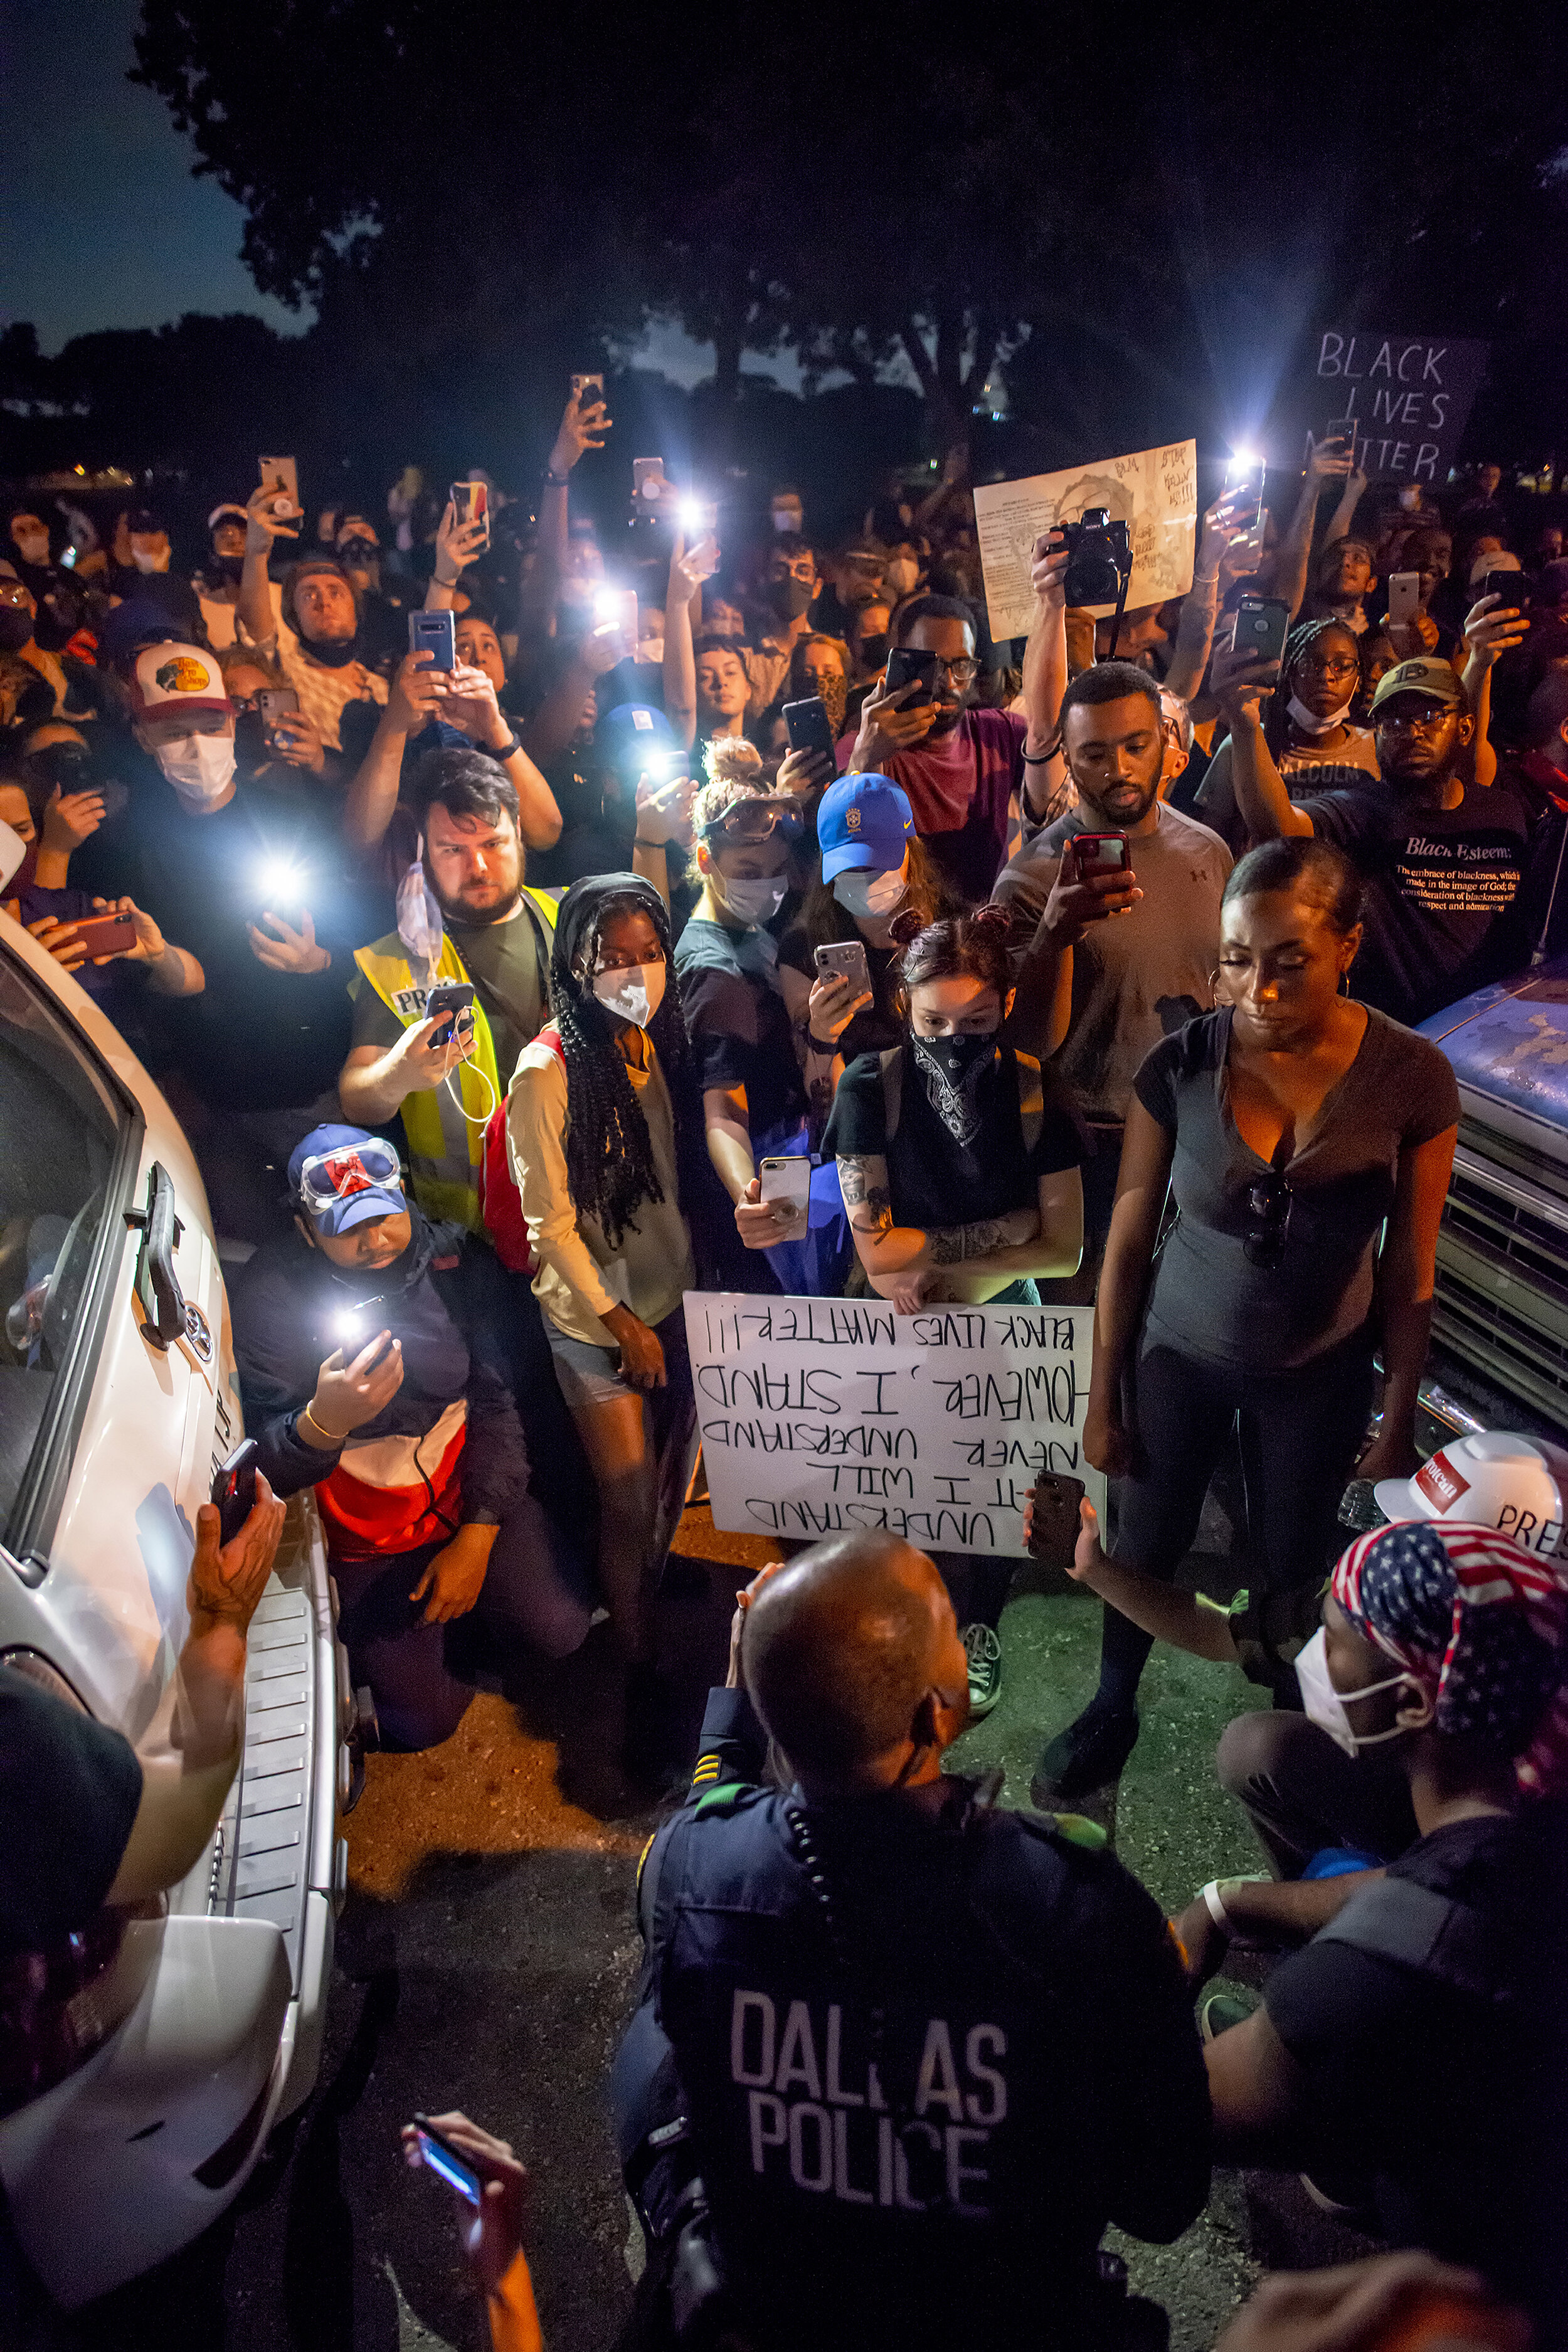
(1345, 982)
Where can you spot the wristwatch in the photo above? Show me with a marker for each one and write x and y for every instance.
(503, 751)
(552, 480)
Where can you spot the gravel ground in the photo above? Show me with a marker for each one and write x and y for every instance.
(486, 1959)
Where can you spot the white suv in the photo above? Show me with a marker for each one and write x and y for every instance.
(141, 2070)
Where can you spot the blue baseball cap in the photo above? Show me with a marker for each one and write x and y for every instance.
(633, 737)
(126, 628)
(863, 823)
(342, 1176)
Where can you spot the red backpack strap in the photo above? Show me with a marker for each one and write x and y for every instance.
(500, 1203)
(551, 1036)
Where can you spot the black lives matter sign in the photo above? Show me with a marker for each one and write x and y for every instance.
(1411, 397)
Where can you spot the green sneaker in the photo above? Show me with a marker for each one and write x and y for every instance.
(984, 1654)
(1220, 2012)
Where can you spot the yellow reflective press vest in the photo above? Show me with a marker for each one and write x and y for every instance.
(446, 1150)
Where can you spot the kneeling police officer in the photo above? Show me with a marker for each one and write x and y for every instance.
(900, 2057)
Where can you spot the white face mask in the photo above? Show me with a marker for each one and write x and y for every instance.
(200, 768)
(1309, 721)
(900, 575)
(634, 993)
(752, 901)
(1326, 1705)
(146, 560)
(419, 925)
(870, 894)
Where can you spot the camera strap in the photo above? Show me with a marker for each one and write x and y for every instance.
(1125, 582)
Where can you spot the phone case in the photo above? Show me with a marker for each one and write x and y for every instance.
(1056, 1522)
(434, 634)
(903, 665)
(788, 1180)
(106, 934)
(809, 726)
(843, 960)
(1403, 596)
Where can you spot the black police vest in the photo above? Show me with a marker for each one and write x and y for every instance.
(889, 2043)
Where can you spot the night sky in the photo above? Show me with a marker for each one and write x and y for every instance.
(104, 226)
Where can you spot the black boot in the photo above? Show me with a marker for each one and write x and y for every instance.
(1085, 1755)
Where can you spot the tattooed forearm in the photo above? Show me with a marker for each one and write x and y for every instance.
(865, 1195)
(952, 1245)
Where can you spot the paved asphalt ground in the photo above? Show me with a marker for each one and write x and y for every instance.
(486, 1959)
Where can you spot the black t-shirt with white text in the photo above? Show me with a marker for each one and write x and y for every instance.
(1440, 890)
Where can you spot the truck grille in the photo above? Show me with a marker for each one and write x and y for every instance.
(1502, 1272)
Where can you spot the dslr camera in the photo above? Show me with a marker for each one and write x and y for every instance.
(1100, 553)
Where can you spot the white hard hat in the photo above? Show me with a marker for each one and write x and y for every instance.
(1496, 1478)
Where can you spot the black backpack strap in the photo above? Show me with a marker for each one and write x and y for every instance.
(892, 1063)
(1396, 1919)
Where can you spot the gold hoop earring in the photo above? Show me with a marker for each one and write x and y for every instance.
(1345, 982)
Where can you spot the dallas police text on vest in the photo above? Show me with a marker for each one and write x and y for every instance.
(817, 2114)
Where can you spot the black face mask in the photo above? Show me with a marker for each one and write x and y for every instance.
(790, 598)
(15, 628)
(957, 1057)
(229, 567)
(333, 653)
(873, 652)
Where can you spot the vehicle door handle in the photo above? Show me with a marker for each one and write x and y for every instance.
(157, 1284)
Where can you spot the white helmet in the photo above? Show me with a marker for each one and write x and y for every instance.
(1496, 1478)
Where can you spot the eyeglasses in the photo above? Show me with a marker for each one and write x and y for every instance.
(1330, 672)
(799, 567)
(1269, 1201)
(246, 702)
(962, 673)
(368, 1167)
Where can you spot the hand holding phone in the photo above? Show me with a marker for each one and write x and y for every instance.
(104, 935)
(233, 1489)
(1051, 1524)
(471, 504)
(1099, 853)
(786, 1188)
(1404, 597)
(1262, 624)
(843, 960)
(433, 635)
(809, 726)
(445, 1005)
(487, 2176)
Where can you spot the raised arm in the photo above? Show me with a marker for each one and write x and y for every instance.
(1327, 462)
(1241, 684)
(467, 696)
(682, 598)
(1045, 678)
(1200, 606)
(583, 426)
(1042, 1000)
(455, 548)
(372, 795)
(254, 624)
(1343, 515)
(1492, 628)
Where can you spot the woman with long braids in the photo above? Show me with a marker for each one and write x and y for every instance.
(960, 1176)
(1316, 742)
(604, 1130)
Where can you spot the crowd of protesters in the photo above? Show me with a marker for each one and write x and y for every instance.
(506, 907)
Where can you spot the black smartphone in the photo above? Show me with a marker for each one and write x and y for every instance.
(1054, 1524)
(1341, 428)
(233, 1490)
(434, 633)
(442, 2157)
(1512, 586)
(1262, 624)
(446, 1001)
(907, 663)
(810, 729)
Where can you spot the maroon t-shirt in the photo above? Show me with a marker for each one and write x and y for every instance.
(959, 791)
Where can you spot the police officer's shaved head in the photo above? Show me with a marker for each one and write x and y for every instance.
(841, 1648)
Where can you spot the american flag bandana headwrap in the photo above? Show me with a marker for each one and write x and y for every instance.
(1480, 1624)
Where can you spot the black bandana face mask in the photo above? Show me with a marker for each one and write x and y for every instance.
(952, 1068)
(333, 653)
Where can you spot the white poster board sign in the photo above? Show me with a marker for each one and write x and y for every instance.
(1154, 492)
(819, 1415)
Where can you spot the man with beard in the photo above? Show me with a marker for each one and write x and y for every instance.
(959, 767)
(1141, 939)
(317, 639)
(1443, 860)
(465, 917)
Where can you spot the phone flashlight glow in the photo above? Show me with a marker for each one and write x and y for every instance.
(693, 514)
(282, 884)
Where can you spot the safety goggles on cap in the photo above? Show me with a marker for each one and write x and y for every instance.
(330, 1177)
(754, 821)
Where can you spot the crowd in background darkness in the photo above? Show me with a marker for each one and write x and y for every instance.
(723, 845)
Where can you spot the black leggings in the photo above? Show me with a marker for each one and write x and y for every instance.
(1301, 1431)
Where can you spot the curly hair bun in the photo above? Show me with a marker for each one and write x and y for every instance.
(732, 760)
(905, 926)
(990, 918)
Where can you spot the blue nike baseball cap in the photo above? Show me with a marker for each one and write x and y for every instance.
(863, 823)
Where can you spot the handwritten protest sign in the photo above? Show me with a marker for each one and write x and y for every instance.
(824, 1414)
(1154, 492)
(1411, 397)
